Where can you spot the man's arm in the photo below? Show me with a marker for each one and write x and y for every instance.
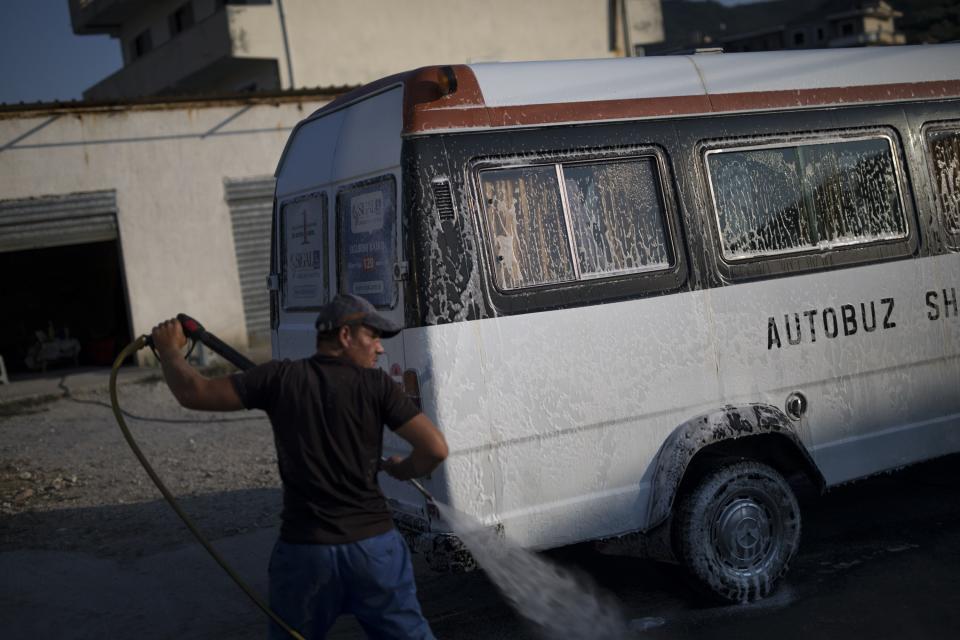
(429, 449)
(189, 387)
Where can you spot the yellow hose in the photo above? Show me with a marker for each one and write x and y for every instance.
(129, 350)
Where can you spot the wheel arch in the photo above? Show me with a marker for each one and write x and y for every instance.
(753, 431)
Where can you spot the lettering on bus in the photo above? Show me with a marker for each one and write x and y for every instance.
(830, 322)
(942, 304)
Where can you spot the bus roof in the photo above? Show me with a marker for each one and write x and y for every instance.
(509, 94)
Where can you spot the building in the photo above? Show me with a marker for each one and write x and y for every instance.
(203, 46)
(115, 217)
(836, 23)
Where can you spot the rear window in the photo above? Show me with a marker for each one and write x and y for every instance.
(366, 218)
(566, 222)
(944, 154)
(806, 196)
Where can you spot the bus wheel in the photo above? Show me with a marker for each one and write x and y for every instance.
(738, 530)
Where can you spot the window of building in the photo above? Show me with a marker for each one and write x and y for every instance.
(944, 157)
(846, 29)
(819, 34)
(303, 246)
(366, 218)
(141, 45)
(798, 38)
(566, 222)
(181, 19)
(809, 196)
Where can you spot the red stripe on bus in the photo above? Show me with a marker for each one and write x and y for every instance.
(426, 111)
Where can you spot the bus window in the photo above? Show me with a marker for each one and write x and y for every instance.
(526, 224)
(617, 216)
(303, 245)
(944, 147)
(366, 215)
(608, 214)
(808, 196)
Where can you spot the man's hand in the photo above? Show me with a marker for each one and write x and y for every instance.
(429, 449)
(168, 338)
(390, 466)
(190, 388)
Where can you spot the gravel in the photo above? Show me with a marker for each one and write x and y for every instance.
(69, 481)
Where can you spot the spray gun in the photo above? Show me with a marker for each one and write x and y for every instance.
(416, 483)
(195, 332)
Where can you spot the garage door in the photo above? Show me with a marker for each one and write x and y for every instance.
(53, 221)
(251, 207)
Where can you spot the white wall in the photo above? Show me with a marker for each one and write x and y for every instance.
(350, 42)
(174, 224)
(347, 42)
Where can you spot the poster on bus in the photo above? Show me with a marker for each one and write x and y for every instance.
(367, 214)
(304, 242)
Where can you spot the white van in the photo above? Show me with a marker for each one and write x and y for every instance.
(648, 295)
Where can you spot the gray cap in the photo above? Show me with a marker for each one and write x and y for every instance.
(348, 309)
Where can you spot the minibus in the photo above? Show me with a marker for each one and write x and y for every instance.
(647, 300)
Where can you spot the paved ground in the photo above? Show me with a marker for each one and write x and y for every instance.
(87, 550)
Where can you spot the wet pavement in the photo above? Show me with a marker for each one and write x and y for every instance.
(879, 559)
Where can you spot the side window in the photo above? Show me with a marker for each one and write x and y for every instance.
(304, 245)
(366, 218)
(944, 156)
(617, 217)
(805, 196)
(566, 222)
(525, 220)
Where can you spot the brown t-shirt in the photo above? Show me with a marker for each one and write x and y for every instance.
(328, 415)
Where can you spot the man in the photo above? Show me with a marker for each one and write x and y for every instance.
(338, 549)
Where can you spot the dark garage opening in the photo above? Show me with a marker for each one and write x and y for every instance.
(73, 294)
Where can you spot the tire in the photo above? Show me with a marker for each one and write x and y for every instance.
(738, 530)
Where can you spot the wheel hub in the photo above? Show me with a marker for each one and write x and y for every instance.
(743, 533)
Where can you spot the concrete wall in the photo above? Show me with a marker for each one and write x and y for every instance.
(345, 42)
(351, 42)
(174, 224)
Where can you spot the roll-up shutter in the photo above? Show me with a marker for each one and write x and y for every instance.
(53, 221)
(251, 208)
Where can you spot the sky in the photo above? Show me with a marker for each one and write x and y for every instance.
(42, 60)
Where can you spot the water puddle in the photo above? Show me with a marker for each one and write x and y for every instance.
(559, 603)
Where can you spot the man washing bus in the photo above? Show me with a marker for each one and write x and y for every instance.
(338, 550)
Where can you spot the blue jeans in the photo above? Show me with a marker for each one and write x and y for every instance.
(312, 584)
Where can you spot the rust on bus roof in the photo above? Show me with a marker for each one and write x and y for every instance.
(426, 109)
(423, 114)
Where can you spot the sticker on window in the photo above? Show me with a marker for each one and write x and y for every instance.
(304, 223)
(366, 213)
(367, 248)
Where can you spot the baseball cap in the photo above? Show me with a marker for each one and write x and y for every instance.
(348, 309)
